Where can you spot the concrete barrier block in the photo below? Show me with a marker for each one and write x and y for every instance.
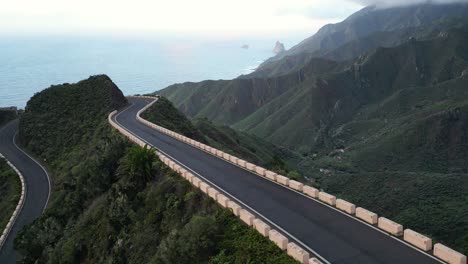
(234, 207)
(226, 156)
(219, 153)
(327, 198)
(171, 164)
(282, 179)
(366, 215)
(213, 193)
(182, 171)
(346, 206)
(298, 186)
(270, 175)
(279, 240)
(417, 240)
(196, 181)
(222, 200)
(448, 255)
(188, 176)
(250, 166)
(213, 151)
(241, 163)
(298, 253)
(390, 226)
(246, 217)
(261, 227)
(260, 171)
(310, 191)
(314, 261)
(204, 187)
(233, 159)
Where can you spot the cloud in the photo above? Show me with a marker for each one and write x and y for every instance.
(321, 9)
(393, 3)
(240, 17)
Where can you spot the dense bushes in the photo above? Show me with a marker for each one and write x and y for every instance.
(116, 203)
(243, 145)
(10, 192)
(6, 116)
(63, 116)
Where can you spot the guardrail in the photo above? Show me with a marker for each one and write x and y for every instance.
(411, 237)
(18, 208)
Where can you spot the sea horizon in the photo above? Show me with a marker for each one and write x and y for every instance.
(137, 64)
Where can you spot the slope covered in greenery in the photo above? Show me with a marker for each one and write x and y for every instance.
(387, 131)
(117, 203)
(246, 146)
(362, 25)
(10, 192)
(6, 116)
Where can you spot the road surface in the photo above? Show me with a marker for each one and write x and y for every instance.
(37, 187)
(334, 236)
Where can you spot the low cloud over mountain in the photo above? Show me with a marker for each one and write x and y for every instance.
(392, 3)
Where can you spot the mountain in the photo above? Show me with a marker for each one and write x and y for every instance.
(367, 22)
(387, 129)
(113, 202)
(239, 98)
(316, 104)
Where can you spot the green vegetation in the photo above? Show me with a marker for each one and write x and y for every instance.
(243, 145)
(368, 127)
(165, 220)
(6, 116)
(10, 192)
(117, 203)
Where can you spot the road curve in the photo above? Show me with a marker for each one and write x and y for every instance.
(334, 236)
(37, 187)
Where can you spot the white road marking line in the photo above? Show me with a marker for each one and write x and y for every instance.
(224, 191)
(287, 187)
(48, 178)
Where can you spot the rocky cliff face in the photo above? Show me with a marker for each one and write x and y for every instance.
(279, 48)
(366, 30)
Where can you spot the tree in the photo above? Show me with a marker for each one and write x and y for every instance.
(138, 164)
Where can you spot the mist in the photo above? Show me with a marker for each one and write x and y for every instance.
(394, 3)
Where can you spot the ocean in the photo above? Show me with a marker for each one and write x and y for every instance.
(135, 64)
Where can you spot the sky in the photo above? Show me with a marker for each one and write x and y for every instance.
(197, 17)
(391, 3)
(209, 17)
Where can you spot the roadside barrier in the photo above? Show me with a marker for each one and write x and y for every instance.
(409, 236)
(18, 208)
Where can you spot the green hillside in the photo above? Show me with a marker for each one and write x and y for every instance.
(343, 40)
(113, 202)
(239, 98)
(10, 192)
(243, 145)
(6, 116)
(395, 117)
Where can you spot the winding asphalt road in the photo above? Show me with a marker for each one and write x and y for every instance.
(37, 187)
(334, 236)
